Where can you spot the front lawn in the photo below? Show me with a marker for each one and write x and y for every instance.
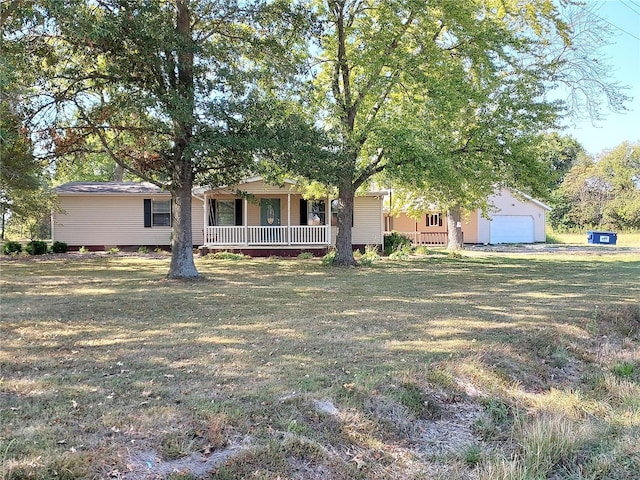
(489, 366)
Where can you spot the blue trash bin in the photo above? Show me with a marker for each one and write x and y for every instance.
(602, 238)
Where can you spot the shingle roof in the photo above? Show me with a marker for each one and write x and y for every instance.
(109, 188)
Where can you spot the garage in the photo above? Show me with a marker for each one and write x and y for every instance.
(512, 229)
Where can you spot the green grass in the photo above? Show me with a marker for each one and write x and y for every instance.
(494, 365)
(624, 239)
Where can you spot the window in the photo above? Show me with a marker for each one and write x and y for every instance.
(225, 213)
(161, 213)
(434, 220)
(316, 212)
(157, 213)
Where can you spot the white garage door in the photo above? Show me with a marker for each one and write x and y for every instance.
(512, 229)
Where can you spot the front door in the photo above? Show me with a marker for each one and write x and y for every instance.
(270, 212)
(270, 217)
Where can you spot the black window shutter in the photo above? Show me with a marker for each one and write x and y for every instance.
(212, 212)
(440, 220)
(303, 211)
(238, 211)
(147, 212)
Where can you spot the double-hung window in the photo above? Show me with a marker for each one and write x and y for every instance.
(434, 220)
(161, 213)
(157, 213)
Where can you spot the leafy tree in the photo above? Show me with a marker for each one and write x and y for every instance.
(149, 84)
(445, 98)
(23, 197)
(601, 193)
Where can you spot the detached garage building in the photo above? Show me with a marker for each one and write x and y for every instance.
(513, 219)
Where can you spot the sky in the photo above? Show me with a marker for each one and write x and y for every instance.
(624, 57)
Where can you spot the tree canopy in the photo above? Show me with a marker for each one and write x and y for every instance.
(158, 87)
(600, 192)
(445, 99)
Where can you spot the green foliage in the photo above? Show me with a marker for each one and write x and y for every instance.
(11, 248)
(113, 250)
(623, 369)
(143, 249)
(83, 249)
(227, 256)
(472, 455)
(36, 247)
(369, 256)
(305, 256)
(395, 241)
(59, 247)
(329, 258)
(600, 193)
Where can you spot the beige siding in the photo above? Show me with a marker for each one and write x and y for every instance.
(97, 220)
(197, 221)
(260, 188)
(367, 221)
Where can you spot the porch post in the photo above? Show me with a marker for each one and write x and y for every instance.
(205, 215)
(288, 219)
(245, 220)
(328, 216)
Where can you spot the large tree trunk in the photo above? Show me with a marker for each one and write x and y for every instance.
(182, 264)
(454, 229)
(344, 246)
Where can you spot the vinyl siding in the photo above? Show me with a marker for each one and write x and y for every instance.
(367, 221)
(97, 220)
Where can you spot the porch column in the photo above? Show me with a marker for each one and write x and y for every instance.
(288, 219)
(205, 215)
(328, 216)
(245, 220)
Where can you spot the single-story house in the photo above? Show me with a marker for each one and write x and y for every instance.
(252, 217)
(513, 219)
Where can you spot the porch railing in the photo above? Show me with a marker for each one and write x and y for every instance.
(426, 238)
(278, 235)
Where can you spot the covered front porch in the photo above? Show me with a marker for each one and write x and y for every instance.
(257, 215)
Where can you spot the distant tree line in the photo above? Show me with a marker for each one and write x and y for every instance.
(601, 191)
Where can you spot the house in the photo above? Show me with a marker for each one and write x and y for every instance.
(513, 219)
(252, 217)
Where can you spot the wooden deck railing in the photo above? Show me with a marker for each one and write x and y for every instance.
(426, 238)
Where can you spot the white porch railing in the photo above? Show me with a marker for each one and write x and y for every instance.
(225, 236)
(279, 235)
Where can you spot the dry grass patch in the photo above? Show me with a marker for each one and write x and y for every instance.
(426, 368)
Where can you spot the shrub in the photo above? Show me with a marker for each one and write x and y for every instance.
(402, 253)
(59, 247)
(36, 247)
(12, 248)
(83, 249)
(227, 256)
(395, 241)
(369, 256)
(143, 250)
(305, 256)
(113, 250)
(329, 258)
